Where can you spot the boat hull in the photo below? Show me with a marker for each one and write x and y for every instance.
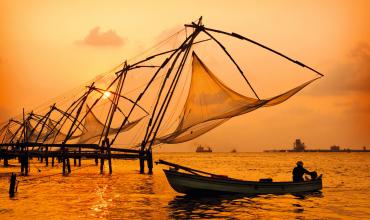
(196, 184)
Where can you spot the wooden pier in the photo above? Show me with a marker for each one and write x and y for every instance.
(64, 153)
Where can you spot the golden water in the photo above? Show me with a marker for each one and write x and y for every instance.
(85, 194)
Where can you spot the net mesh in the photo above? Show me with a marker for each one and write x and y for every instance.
(93, 128)
(8, 136)
(210, 103)
(34, 135)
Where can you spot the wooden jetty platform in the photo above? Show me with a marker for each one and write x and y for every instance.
(65, 152)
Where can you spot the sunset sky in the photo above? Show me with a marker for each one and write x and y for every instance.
(50, 47)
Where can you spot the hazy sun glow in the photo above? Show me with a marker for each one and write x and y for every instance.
(106, 94)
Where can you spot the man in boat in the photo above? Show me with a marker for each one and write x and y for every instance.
(299, 171)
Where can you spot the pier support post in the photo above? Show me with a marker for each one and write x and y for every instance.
(6, 163)
(109, 156)
(47, 158)
(75, 159)
(64, 166)
(13, 180)
(24, 164)
(149, 161)
(41, 156)
(52, 161)
(102, 160)
(63, 161)
(141, 159)
(27, 167)
(68, 165)
(79, 158)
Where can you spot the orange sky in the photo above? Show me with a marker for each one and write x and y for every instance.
(50, 47)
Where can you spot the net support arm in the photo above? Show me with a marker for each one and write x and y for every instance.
(232, 59)
(232, 34)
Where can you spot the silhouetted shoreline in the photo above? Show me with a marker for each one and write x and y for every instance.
(320, 150)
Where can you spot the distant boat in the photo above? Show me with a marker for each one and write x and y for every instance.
(201, 149)
(233, 151)
(199, 182)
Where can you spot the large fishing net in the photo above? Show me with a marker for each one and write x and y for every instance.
(211, 103)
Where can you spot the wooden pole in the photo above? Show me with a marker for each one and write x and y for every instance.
(102, 160)
(63, 161)
(6, 163)
(75, 159)
(13, 180)
(149, 83)
(141, 159)
(160, 115)
(232, 59)
(68, 165)
(26, 166)
(65, 116)
(79, 158)
(149, 128)
(47, 157)
(258, 44)
(21, 157)
(167, 99)
(150, 161)
(109, 156)
(42, 158)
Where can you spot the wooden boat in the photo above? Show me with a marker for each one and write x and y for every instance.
(200, 182)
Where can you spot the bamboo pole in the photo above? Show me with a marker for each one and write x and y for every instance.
(142, 161)
(79, 158)
(68, 166)
(47, 158)
(13, 180)
(75, 159)
(258, 44)
(148, 85)
(101, 161)
(63, 161)
(150, 161)
(232, 59)
(109, 156)
(170, 93)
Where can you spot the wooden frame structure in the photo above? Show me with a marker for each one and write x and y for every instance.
(19, 145)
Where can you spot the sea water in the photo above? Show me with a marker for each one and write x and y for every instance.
(126, 194)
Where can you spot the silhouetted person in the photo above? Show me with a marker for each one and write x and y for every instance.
(299, 171)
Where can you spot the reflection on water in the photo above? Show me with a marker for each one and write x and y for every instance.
(221, 206)
(85, 194)
(231, 206)
(307, 195)
(134, 200)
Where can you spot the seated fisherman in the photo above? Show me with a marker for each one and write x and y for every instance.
(299, 171)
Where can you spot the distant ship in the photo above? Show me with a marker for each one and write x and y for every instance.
(201, 149)
(233, 151)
